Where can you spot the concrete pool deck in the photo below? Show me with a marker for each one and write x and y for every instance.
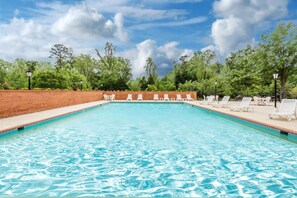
(16, 122)
(259, 116)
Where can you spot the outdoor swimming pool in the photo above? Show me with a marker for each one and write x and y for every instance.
(146, 149)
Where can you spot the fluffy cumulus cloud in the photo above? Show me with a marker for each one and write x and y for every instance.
(84, 23)
(230, 33)
(79, 27)
(162, 55)
(238, 20)
(23, 38)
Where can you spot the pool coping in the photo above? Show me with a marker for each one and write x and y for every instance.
(19, 122)
(245, 118)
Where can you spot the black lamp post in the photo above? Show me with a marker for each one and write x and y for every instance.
(215, 91)
(29, 74)
(81, 84)
(275, 75)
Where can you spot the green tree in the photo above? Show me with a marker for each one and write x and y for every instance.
(278, 53)
(16, 75)
(86, 65)
(62, 79)
(241, 75)
(4, 67)
(113, 72)
(62, 54)
(151, 71)
(166, 83)
(134, 85)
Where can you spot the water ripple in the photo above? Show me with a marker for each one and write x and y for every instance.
(146, 150)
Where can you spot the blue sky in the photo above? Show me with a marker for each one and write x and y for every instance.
(161, 29)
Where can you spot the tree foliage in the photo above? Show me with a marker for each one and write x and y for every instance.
(113, 72)
(247, 71)
(62, 54)
(278, 52)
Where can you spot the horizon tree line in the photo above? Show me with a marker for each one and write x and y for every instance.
(247, 71)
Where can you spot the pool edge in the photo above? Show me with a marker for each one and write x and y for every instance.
(22, 126)
(282, 130)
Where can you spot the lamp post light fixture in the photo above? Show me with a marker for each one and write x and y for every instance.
(275, 75)
(216, 91)
(29, 74)
(81, 82)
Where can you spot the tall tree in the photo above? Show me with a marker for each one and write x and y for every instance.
(240, 74)
(62, 54)
(4, 66)
(114, 72)
(278, 53)
(151, 71)
(16, 76)
(86, 65)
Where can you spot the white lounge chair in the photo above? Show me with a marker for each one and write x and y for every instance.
(243, 106)
(188, 97)
(166, 98)
(286, 109)
(106, 97)
(129, 97)
(139, 97)
(156, 97)
(209, 100)
(204, 98)
(223, 103)
(256, 100)
(112, 97)
(178, 97)
(216, 98)
(267, 100)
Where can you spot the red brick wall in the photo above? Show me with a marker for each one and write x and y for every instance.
(148, 95)
(17, 102)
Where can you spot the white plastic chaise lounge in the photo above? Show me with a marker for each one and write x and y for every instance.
(106, 97)
(139, 97)
(129, 97)
(244, 105)
(222, 103)
(189, 98)
(178, 97)
(256, 100)
(286, 109)
(112, 97)
(166, 98)
(156, 97)
(209, 100)
(267, 100)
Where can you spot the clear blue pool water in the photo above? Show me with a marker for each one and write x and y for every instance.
(146, 150)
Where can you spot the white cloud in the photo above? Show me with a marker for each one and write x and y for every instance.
(170, 1)
(230, 33)
(23, 39)
(80, 22)
(238, 20)
(79, 28)
(162, 55)
(190, 21)
(120, 33)
(252, 11)
(135, 10)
